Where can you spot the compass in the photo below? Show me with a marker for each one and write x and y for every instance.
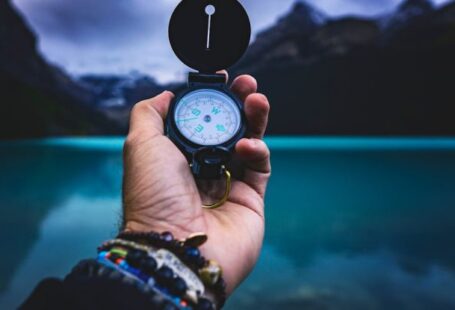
(206, 119)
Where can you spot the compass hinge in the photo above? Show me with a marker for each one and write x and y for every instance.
(203, 78)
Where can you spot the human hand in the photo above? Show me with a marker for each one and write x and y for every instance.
(160, 193)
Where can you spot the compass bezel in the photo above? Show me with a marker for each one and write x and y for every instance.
(189, 147)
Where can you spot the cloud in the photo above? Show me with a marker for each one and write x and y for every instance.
(98, 22)
(103, 36)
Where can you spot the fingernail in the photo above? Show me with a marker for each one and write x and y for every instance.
(167, 92)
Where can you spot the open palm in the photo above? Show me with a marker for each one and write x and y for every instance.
(160, 193)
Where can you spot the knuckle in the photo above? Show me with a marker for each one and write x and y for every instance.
(265, 148)
(140, 107)
(132, 140)
(267, 152)
(128, 144)
(265, 102)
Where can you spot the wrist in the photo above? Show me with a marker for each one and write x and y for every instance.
(133, 225)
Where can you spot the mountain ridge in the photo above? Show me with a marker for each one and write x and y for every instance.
(324, 76)
(350, 76)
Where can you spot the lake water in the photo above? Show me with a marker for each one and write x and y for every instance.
(351, 223)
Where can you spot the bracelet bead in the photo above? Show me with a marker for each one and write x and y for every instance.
(149, 266)
(167, 237)
(165, 274)
(179, 287)
(205, 304)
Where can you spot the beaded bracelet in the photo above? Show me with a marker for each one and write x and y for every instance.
(93, 268)
(155, 274)
(187, 250)
(138, 276)
(151, 259)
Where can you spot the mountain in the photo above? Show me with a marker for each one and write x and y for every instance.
(353, 76)
(38, 99)
(120, 90)
(283, 41)
(407, 12)
(116, 94)
(390, 75)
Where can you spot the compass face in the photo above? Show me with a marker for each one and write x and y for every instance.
(207, 117)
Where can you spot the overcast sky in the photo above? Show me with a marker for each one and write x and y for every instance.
(120, 36)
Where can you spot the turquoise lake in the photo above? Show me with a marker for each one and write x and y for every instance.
(351, 223)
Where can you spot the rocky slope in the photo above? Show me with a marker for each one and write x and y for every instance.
(353, 76)
(38, 99)
(112, 91)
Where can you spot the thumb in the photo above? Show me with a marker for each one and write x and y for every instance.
(148, 115)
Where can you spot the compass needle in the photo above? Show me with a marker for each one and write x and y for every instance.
(209, 10)
(187, 119)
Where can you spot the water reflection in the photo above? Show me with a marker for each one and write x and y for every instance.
(357, 230)
(38, 186)
(339, 281)
(346, 230)
(360, 202)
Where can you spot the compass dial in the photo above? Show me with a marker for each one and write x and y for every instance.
(207, 117)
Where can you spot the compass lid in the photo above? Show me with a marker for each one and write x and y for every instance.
(209, 35)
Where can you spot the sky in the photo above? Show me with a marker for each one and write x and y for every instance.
(124, 36)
